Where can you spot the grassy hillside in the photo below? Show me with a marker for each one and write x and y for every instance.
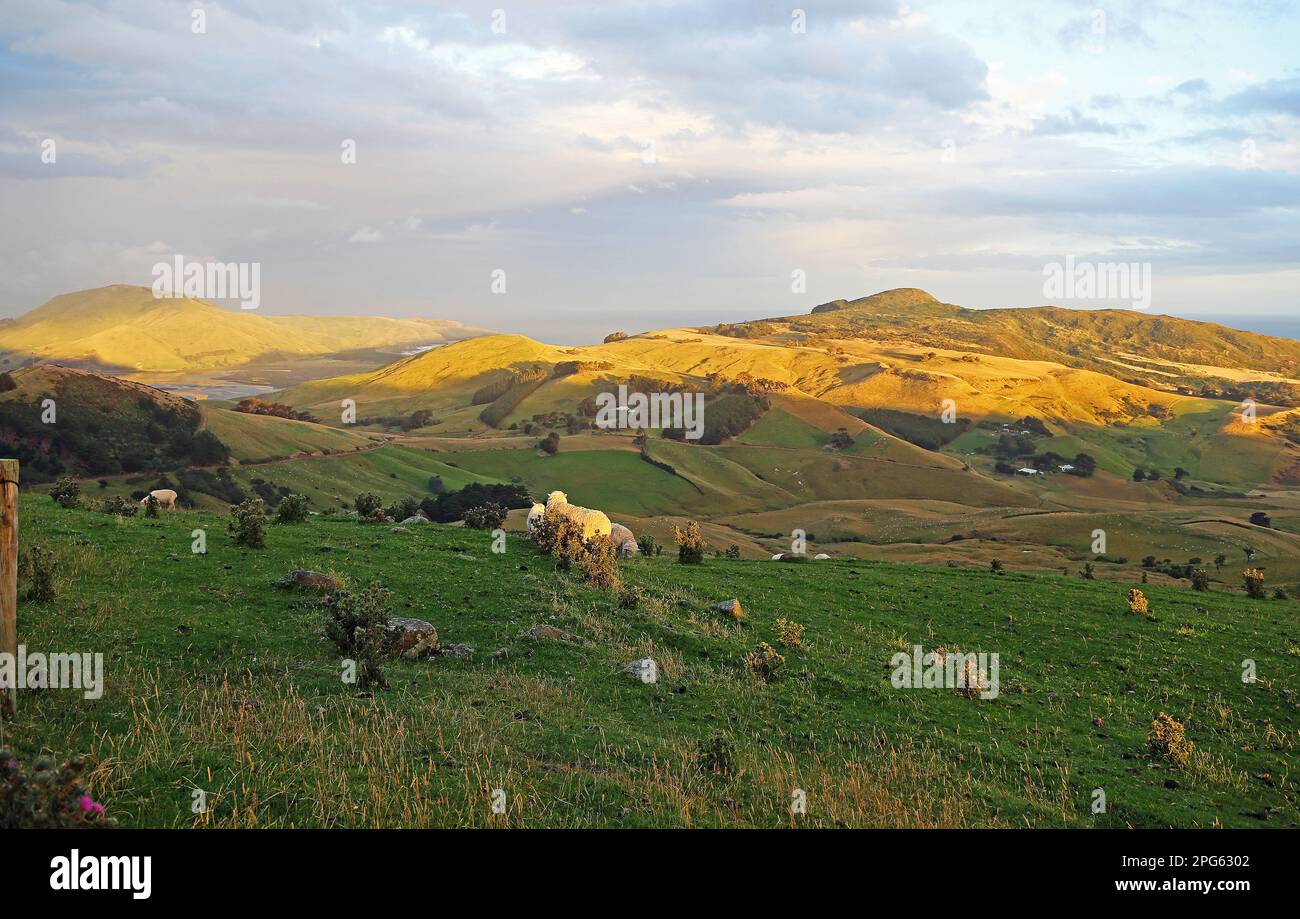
(59, 420)
(256, 438)
(897, 360)
(217, 681)
(124, 327)
(389, 471)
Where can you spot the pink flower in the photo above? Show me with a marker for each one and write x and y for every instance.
(90, 806)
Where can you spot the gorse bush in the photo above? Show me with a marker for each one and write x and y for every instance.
(150, 506)
(765, 662)
(690, 544)
(292, 509)
(648, 545)
(788, 633)
(247, 525)
(1168, 741)
(715, 755)
(1253, 580)
(1200, 579)
(403, 508)
(358, 625)
(596, 559)
(119, 507)
(36, 568)
(599, 564)
(66, 492)
(1137, 602)
(368, 506)
(560, 537)
(48, 797)
(485, 517)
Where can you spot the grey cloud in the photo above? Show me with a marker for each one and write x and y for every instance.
(1274, 97)
(1073, 122)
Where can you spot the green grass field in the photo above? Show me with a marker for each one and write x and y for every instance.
(217, 681)
(254, 438)
(390, 471)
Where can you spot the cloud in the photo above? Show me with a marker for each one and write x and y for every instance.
(1073, 122)
(1272, 97)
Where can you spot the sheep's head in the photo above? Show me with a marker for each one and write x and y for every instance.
(537, 509)
(556, 497)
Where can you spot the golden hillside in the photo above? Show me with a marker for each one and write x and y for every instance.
(124, 327)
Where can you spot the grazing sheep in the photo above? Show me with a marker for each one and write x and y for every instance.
(535, 517)
(592, 523)
(164, 496)
(624, 541)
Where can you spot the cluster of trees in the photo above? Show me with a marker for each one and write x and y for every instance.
(922, 430)
(416, 419)
(452, 505)
(254, 406)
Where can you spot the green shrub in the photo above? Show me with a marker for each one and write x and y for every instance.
(292, 509)
(1200, 579)
(119, 507)
(248, 524)
(403, 508)
(358, 625)
(66, 492)
(648, 545)
(36, 568)
(367, 505)
(715, 755)
(47, 798)
(486, 517)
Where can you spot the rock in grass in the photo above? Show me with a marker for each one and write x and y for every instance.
(730, 608)
(412, 638)
(645, 670)
(819, 556)
(460, 652)
(400, 529)
(308, 580)
(416, 519)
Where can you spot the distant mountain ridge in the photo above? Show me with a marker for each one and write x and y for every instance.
(125, 328)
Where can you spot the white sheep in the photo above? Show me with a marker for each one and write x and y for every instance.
(624, 540)
(164, 496)
(535, 516)
(592, 523)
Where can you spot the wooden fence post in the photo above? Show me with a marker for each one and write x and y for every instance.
(8, 574)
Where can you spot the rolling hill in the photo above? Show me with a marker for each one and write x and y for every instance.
(850, 416)
(900, 355)
(125, 328)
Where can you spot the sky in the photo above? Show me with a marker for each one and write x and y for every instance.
(569, 168)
